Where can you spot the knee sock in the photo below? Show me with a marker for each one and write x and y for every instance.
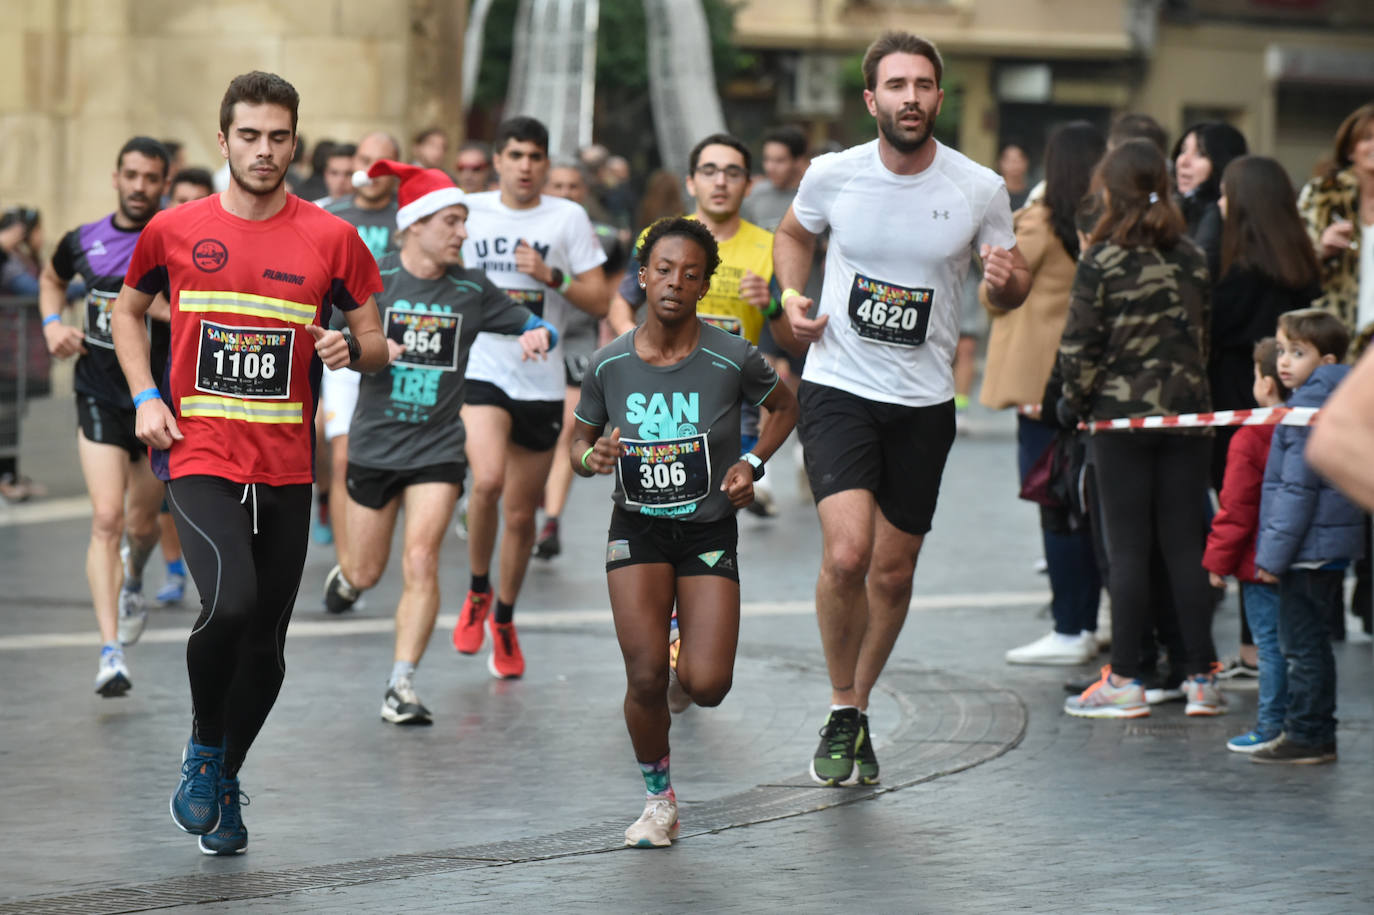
(480, 584)
(656, 780)
(504, 612)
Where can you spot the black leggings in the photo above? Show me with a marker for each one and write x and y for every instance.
(1152, 488)
(245, 547)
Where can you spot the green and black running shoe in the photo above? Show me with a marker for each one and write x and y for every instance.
(841, 738)
(867, 762)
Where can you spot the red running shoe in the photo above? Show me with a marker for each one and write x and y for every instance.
(506, 661)
(468, 634)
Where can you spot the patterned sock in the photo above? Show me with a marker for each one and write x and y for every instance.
(656, 780)
(480, 583)
(398, 670)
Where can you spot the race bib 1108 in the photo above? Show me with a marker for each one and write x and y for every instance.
(253, 363)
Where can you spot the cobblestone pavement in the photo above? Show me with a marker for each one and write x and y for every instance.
(992, 800)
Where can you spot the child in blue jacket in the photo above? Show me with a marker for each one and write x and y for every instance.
(1309, 533)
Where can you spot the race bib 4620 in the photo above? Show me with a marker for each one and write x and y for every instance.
(888, 313)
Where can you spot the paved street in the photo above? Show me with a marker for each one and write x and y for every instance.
(992, 800)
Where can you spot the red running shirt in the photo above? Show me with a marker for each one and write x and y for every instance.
(242, 376)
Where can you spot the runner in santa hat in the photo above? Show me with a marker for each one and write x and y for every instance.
(406, 445)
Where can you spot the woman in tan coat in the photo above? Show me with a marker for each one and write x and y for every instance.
(1022, 347)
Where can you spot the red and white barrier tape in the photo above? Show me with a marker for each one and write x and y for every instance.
(1260, 416)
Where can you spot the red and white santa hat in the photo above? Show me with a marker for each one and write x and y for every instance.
(423, 191)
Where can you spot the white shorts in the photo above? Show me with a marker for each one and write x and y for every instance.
(338, 397)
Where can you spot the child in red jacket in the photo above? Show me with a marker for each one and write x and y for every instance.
(1231, 551)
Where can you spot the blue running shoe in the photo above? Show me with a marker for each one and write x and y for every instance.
(1252, 741)
(173, 590)
(195, 803)
(231, 836)
(322, 532)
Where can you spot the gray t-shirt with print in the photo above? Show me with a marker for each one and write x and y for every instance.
(679, 424)
(408, 413)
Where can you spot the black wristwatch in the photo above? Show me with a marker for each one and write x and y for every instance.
(555, 278)
(755, 462)
(355, 349)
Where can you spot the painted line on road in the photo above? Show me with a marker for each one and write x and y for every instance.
(534, 619)
(46, 510)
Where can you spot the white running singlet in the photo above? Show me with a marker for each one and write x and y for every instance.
(900, 247)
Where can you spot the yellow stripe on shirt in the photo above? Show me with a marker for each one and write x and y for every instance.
(247, 411)
(245, 303)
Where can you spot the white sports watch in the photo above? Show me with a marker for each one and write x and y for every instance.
(755, 462)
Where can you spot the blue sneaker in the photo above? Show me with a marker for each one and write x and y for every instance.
(173, 590)
(322, 532)
(195, 803)
(1253, 741)
(231, 836)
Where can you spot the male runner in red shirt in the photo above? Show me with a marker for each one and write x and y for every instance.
(252, 275)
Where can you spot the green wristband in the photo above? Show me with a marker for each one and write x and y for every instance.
(584, 457)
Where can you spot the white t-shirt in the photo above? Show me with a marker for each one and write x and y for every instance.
(563, 235)
(1365, 309)
(900, 247)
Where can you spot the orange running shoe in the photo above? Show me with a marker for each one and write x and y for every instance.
(468, 634)
(506, 662)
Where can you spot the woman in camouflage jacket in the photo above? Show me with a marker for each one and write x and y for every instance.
(1136, 345)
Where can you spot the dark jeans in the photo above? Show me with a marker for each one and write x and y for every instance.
(1151, 489)
(1075, 585)
(1305, 601)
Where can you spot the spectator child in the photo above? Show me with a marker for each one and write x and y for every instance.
(1309, 533)
(1231, 551)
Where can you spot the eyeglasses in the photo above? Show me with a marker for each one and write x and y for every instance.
(731, 172)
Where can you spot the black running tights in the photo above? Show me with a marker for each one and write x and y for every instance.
(245, 547)
(1153, 489)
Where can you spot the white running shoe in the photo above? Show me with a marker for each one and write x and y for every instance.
(403, 706)
(132, 616)
(656, 827)
(112, 676)
(1055, 649)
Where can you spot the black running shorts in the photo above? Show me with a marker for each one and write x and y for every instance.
(690, 547)
(895, 452)
(107, 425)
(373, 487)
(534, 424)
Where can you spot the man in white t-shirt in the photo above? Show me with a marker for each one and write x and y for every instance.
(544, 253)
(906, 214)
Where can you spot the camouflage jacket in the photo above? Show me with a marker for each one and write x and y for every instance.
(1321, 202)
(1136, 339)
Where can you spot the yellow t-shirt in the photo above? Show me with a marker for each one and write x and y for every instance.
(751, 249)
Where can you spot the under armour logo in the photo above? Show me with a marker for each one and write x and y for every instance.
(938, 214)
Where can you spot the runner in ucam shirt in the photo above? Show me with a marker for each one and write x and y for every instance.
(252, 275)
(543, 252)
(112, 457)
(669, 392)
(406, 443)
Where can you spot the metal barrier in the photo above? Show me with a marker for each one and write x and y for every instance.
(24, 366)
